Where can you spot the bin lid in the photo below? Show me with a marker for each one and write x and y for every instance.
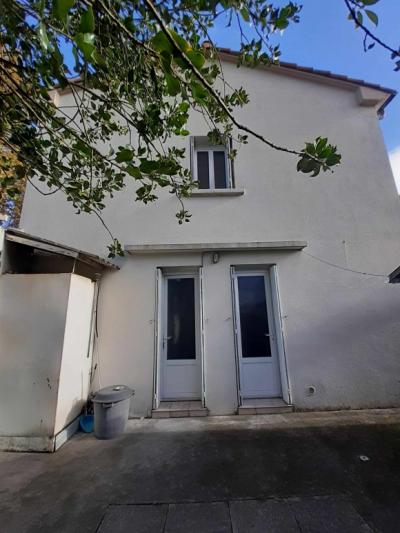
(112, 394)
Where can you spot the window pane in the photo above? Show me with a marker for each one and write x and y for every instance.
(253, 317)
(220, 170)
(203, 170)
(181, 319)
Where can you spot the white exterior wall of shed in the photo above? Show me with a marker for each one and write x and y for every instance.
(76, 355)
(41, 367)
(32, 324)
(341, 329)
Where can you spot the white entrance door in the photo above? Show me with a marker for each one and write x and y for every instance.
(180, 343)
(256, 340)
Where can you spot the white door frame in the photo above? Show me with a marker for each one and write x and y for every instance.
(157, 339)
(202, 338)
(280, 339)
(235, 333)
(274, 318)
(160, 344)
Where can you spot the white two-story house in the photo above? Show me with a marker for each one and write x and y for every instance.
(276, 291)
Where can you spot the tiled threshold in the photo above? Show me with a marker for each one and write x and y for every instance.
(179, 409)
(253, 406)
(264, 406)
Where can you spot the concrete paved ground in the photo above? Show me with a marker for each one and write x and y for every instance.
(309, 472)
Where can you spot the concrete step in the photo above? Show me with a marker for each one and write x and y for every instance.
(179, 410)
(264, 406)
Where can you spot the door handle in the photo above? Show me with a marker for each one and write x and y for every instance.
(165, 339)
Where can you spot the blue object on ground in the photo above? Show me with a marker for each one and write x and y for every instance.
(86, 423)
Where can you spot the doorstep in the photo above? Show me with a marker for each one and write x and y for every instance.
(179, 409)
(264, 406)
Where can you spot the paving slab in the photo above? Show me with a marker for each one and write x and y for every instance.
(262, 517)
(198, 518)
(328, 515)
(134, 519)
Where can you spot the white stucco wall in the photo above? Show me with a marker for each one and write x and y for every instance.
(357, 200)
(32, 322)
(341, 329)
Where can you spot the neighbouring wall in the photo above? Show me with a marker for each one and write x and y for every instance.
(33, 310)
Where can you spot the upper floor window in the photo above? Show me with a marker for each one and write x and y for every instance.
(211, 166)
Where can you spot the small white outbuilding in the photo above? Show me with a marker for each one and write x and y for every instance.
(48, 295)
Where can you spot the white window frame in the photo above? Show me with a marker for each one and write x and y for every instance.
(211, 149)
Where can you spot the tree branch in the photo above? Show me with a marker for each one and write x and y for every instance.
(395, 53)
(212, 91)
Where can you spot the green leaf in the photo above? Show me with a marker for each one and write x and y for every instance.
(161, 43)
(124, 155)
(310, 148)
(373, 17)
(369, 2)
(196, 58)
(86, 24)
(134, 171)
(173, 84)
(44, 39)
(183, 107)
(85, 42)
(321, 143)
(306, 165)
(199, 92)
(147, 166)
(82, 147)
(180, 41)
(333, 159)
(61, 9)
(245, 14)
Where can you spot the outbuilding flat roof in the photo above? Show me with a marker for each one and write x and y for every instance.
(21, 237)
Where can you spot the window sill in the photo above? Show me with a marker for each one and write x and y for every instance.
(199, 193)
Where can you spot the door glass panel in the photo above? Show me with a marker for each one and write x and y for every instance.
(203, 171)
(181, 331)
(253, 317)
(219, 170)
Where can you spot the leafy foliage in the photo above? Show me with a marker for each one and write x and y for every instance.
(12, 188)
(318, 156)
(140, 67)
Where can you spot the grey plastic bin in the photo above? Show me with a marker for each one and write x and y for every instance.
(111, 410)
